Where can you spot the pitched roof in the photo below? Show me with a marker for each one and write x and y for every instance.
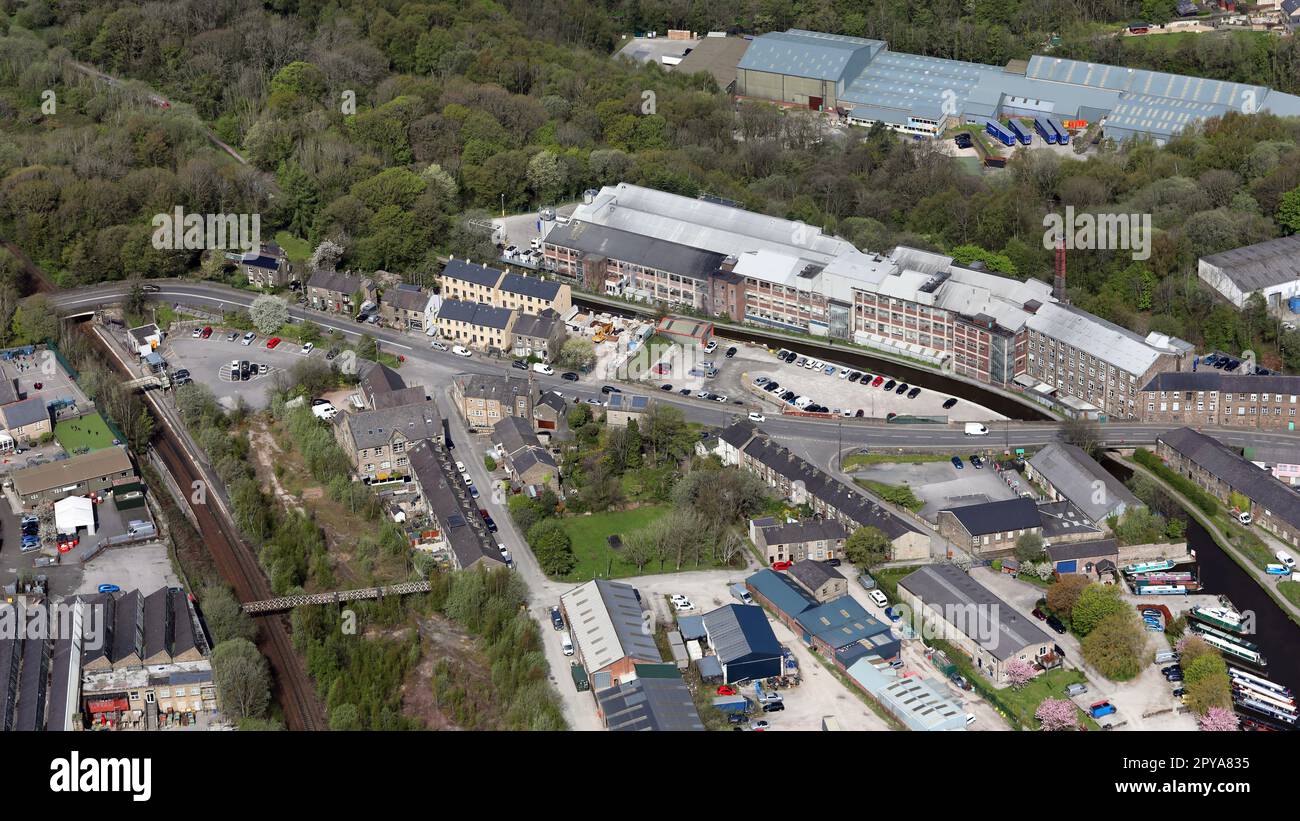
(985, 618)
(465, 532)
(808, 530)
(26, 412)
(1209, 379)
(477, 274)
(813, 574)
(415, 394)
(804, 53)
(1252, 481)
(1065, 551)
(379, 378)
(345, 284)
(407, 298)
(1078, 477)
(639, 249)
(492, 386)
(654, 700)
(538, 326)
(536, 287)
(1262, 265)
(376, 428)
(737, 433)
(474, 313)
(784, 594)
(607, 623)
(93, 465)
(515, 434)
(737, 631)
(997, 517)
(840, 622)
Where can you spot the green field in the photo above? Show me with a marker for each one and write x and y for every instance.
(596, 559)
(297, 250)
(87, 432)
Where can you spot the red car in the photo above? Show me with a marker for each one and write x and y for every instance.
(64, 547)
(272, 342)
(207, 332)
(724, 690)
(875, 383)
(781, 565)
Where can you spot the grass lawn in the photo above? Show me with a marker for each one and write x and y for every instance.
(858, 460)
(298, 250)
(895, 494)
(596, 559)
(1291, 590)
(87, 432)
(1050, 684)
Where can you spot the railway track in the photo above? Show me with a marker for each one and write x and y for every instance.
(234, 559)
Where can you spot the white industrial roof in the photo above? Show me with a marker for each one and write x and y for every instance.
(1095, 336)
(74, 512)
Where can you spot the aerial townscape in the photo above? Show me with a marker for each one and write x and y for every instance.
(749, 365)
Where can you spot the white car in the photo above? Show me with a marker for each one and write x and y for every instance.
(879, 598)
(757, 417)
(308, 348)
(810, 364)
(249, 337)
(461, 350)
(543, 368)
(712, 346)
(461, 467)
(198, 332)
(682, 603)
(719, 398)
(437, 346)
(325, 411)
(844, 373)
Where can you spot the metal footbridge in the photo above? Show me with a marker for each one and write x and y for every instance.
(257, 608)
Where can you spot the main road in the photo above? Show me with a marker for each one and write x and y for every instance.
(819, 439)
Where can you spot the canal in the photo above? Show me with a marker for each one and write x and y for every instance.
(855, 358)
(1276, 635)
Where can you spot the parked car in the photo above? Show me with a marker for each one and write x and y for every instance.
(781, 565)
(730, 352)
(976, 461)
(308, 348)
(557, 620)
(272, 342)
(834, 562)
(759, 726)
(959, 680)
(609, 389)
(1038, 614)
(726, 690)
(569, 376)
(889, 386)
(774, 707)
(913, 393)
(1101, 708)
(1055, 623)
(198, 332)
(437, 346)
(875, 383)
(902, 389)
(948, 405)
(109, 588)
(519, 365)
(249, 337)
(957, 463)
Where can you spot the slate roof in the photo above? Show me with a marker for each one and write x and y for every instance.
(469, 544)
(70, 471)
(997, 627)
(841, 622)
(25, 412)
(1083, 550)
(544, 289)
(380, 378)
(639, 249)
(492, 386)
(474, 313)
(998, 517)
(738, 433)
(809, 530)
(1257, 484)
(537, 326)
(1262, 265)
(1208, 379)
(737, 631)
(345, 284)
(467, 272)
(784, 594)
(813, 574)
(415, 394)
(406, 298)
(375, 428)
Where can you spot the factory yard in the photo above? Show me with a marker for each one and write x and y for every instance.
(940, 485)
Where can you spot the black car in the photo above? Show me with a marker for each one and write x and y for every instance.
(1171, 669)
(685, 391)
(519, 365)
(333, 352)
(976, 461)
(888, 386)
(1212, 359)
(557, 620)
(569, 376)
(792, 356)
(902, 389)
(855, 376)
(243, 369)
(788, 395)
(1055, 623)
(861, 413)
(948, 405)
(609, 389)
(833, 562)
(730, 352)
(180, 377)
(774, 706)
(770, 387)
(665, 387)
(913, 393)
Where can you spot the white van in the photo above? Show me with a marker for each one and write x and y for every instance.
(543, 368)
(1285, 558)
(879, 598)
(976, 429)
(1165, 656)
(566, 644)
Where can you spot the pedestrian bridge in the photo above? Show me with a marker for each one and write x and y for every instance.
(257, 608)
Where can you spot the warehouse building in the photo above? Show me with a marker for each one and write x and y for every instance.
(921, 95)
(977, 622)
(922, 704)
(743, 642)
(1067, 472)
(609, 629)
(655, 699)
(1217, 399)
(1271, 269)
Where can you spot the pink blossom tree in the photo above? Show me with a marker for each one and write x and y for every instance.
(1056, 714)
(1019, 672)
(1218, 720)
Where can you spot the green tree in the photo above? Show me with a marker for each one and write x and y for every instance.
(269, 313)
(578, 354)
(1115, 645)
(35, 321)
(1095, 603)
(867, 547)
(1064, 593)
(242, 678)
(1288, 210)
(1029, 547)
(226, 619)
(552, 547)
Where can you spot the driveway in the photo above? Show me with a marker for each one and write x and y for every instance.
(1145, 703)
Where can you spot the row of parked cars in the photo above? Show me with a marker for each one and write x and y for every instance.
(847, 374)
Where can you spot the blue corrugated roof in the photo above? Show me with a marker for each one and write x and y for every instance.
(781, 592)
(840, 622)
(804, 53)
